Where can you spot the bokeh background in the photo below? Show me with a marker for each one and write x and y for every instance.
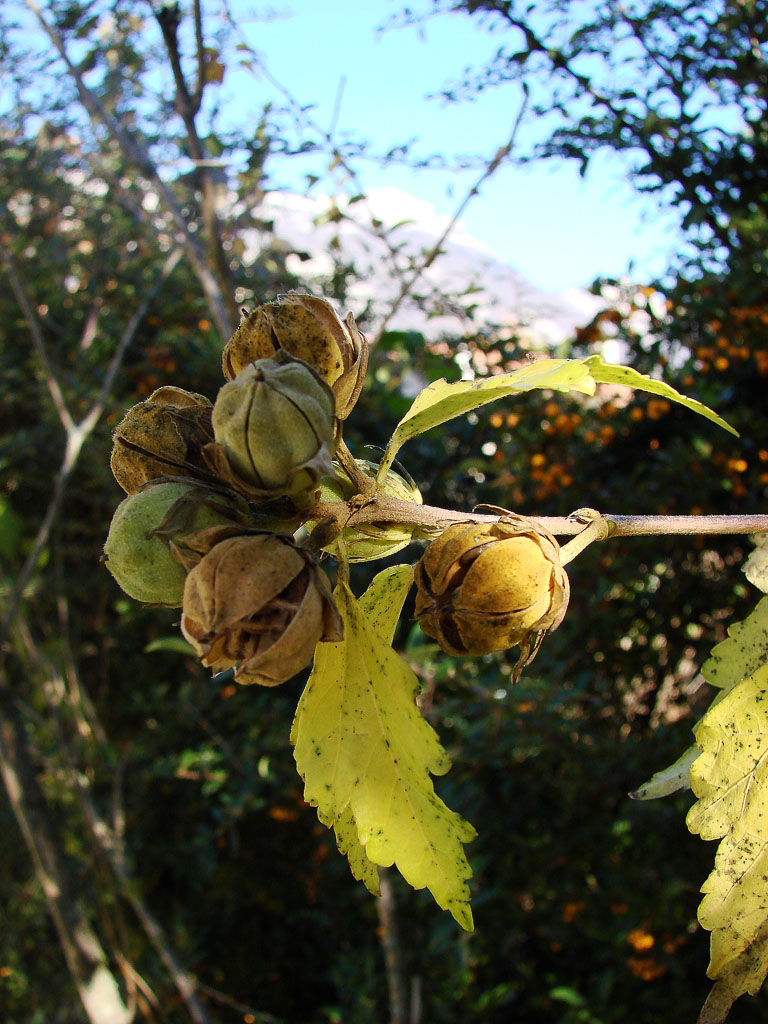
(153, 827)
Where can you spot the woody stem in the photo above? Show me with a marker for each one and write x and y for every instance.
(430, 520)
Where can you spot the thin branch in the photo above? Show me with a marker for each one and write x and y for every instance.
(197, 99)
(431, 520)
(112, 851)
(258, 1016)
(429, 258)
(375, 228)
(86, 959)
(392, 947)
(77, 434)
(94, 414)
(54, 389)
(138, 155)
(188, 107)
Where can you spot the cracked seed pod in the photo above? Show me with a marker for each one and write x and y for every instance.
(484, 588)
(258, 603)
(163, 436)
(274, 429)
(306, 328)
(145, 549)
(369, 541)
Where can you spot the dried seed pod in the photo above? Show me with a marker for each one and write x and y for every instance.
(145, 549)
(307, 328)
(274, 428)
(369, 541)
(484, 588)
(258, 603)
(162, 437)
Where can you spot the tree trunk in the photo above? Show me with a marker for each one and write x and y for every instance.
(83, 952)
(394, 960)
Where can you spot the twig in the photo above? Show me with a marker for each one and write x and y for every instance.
(54, 389)
(77, 434)
(112, 851)
(431, 519)
(139, 157)
(429, 258)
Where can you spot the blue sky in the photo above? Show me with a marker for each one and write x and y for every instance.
(558, 229)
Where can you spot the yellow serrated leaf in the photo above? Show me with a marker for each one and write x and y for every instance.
(730, 779)
(383, 600)
(365, 751)
(733, 908)
(743, 974)
(382, 603)
(731, 775)
(363, 869)
(742, 653)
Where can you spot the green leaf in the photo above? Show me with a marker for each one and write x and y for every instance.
(442, 401)
(730, 779)
(669, 780)
(607, 373)
(365, 752)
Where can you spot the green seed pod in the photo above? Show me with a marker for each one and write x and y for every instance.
(145, 549)
(306, 328)
(484, 588)
(274, 428)
(162, 437)
(370, 541)
(260, 604)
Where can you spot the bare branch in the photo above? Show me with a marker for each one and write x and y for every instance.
(54, 389)
(431, 519)
(137, 154)
(82, 948)
(77, 434)
(429, 258)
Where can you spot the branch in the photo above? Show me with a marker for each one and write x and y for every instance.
(82, 948)
(392, 947)
(429, 258)
(188, 107)
(137, 154)
(431, 520)
(54, 389)
(112, 850)
(77, 434)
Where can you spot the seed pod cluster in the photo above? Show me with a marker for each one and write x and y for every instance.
(309, 329)
(216, 490)
(485, 588)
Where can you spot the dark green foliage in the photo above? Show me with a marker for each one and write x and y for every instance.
(585, 902)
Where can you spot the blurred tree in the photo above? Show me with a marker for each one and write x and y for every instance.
(680, 87)
(204, 885)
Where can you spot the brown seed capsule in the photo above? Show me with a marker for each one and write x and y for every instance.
(258, 603)
(274, 428)
(163, 436)
(484, 588)
(307, 328)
